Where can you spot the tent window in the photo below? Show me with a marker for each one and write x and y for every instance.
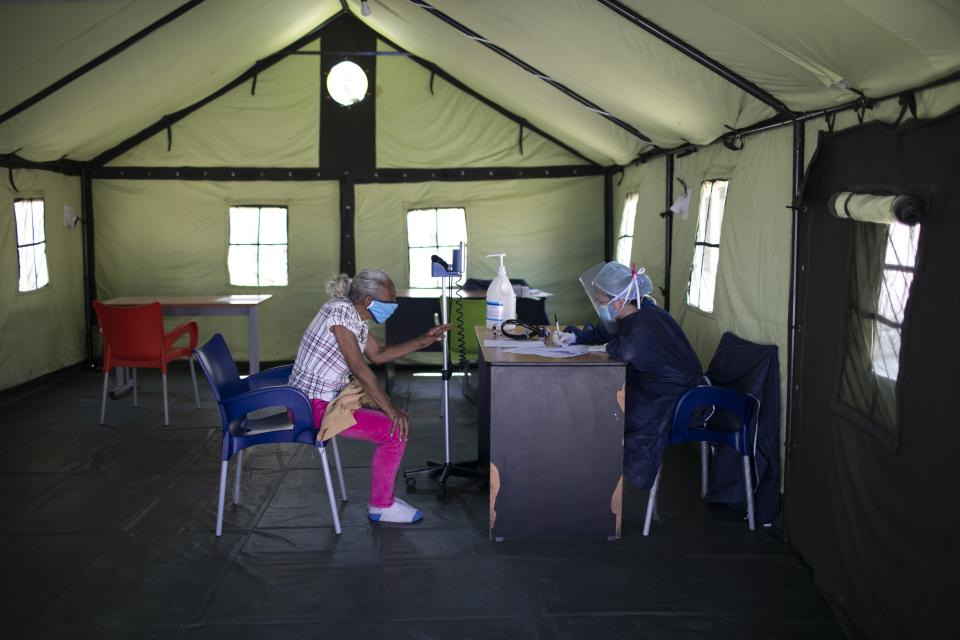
(429, 232)
(31, 244)
(898, 271)
(257, 255)
(625, 242)
(706, 250)
(884, 263)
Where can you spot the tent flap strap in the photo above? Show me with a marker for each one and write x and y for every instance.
(433, 74)
(520, 138)
(169, 135)
(733, 140)
(13, 185)
(253, 85)
(831, 120)
(907, 101)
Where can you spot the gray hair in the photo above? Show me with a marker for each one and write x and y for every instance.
(369, 282)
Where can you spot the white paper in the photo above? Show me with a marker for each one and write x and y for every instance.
(509, 342)
(570, 351)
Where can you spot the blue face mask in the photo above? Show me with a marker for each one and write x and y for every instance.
(607, 313)
(381, 310)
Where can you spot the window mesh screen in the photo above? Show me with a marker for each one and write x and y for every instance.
(884, 260)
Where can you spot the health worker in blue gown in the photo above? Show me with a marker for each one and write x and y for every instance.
(661, 364)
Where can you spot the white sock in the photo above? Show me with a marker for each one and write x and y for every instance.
(399, 511)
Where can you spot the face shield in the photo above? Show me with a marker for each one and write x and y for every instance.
(607, 284)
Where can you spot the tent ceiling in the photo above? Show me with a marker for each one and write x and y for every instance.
(804, 54)
(176, 65)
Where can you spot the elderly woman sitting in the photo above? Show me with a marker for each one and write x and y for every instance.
(331, 352)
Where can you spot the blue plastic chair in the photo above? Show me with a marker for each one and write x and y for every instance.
(698, 418)
(237, 397)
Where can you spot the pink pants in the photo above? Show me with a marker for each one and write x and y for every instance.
(373, 426)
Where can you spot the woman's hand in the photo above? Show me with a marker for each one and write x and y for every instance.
(435, 334)
(401, 423)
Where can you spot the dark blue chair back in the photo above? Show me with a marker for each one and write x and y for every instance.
(220, 369)
(715, 414)
(236, 398)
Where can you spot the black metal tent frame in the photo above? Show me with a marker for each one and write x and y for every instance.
(96, 169)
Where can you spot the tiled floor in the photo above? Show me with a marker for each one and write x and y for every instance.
(107, 532)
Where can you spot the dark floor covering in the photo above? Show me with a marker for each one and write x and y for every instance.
(107, 532)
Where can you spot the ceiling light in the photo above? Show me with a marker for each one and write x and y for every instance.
(347, 83)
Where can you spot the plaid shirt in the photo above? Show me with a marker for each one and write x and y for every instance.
(320, 370)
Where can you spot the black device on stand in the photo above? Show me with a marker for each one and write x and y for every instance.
(442, 472)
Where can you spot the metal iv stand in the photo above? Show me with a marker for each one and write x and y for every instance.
(447, 469)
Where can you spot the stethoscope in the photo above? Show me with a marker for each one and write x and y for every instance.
(508, 329)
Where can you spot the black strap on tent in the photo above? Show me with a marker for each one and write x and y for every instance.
(733, 141)
(831, 120)
(13, 185)
(169, 135)
(253, 85)
(433, 74)
(520, 139)
(907, 101)
(863, 104)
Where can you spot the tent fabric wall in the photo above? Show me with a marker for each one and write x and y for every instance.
(159, 237)
(447, 128)
(649, 231)
(804, 53)
(753, 274)
(174, 67)
(632, 74)
(930, 104)
(42, 330)
(278, 126)
(550, 229)
(878, 522)
(506, 84)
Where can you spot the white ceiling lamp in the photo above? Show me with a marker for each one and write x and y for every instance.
(364, 8)
(347, 83)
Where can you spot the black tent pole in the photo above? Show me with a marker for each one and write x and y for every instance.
(608, 216)
(89, 270)
(668, 240)
(799, 135)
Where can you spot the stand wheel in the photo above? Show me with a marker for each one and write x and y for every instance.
(411, 482)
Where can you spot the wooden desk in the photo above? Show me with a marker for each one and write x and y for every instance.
(554, 429)
(227, 305)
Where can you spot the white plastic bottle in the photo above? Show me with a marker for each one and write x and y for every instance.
(501, 299)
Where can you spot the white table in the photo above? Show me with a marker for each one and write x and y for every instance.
(226, 305)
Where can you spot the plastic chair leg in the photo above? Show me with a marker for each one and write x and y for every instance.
(336, 460)
(748, 487)
(103, 400)
(223, 491)
(704, 457)
(329, 483)
(166, 410)
(196, 390)
(652, 502)
(238, 474)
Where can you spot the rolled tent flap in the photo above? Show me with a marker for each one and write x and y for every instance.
(865, 207)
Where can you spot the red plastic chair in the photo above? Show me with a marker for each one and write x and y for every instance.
(134, 337)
